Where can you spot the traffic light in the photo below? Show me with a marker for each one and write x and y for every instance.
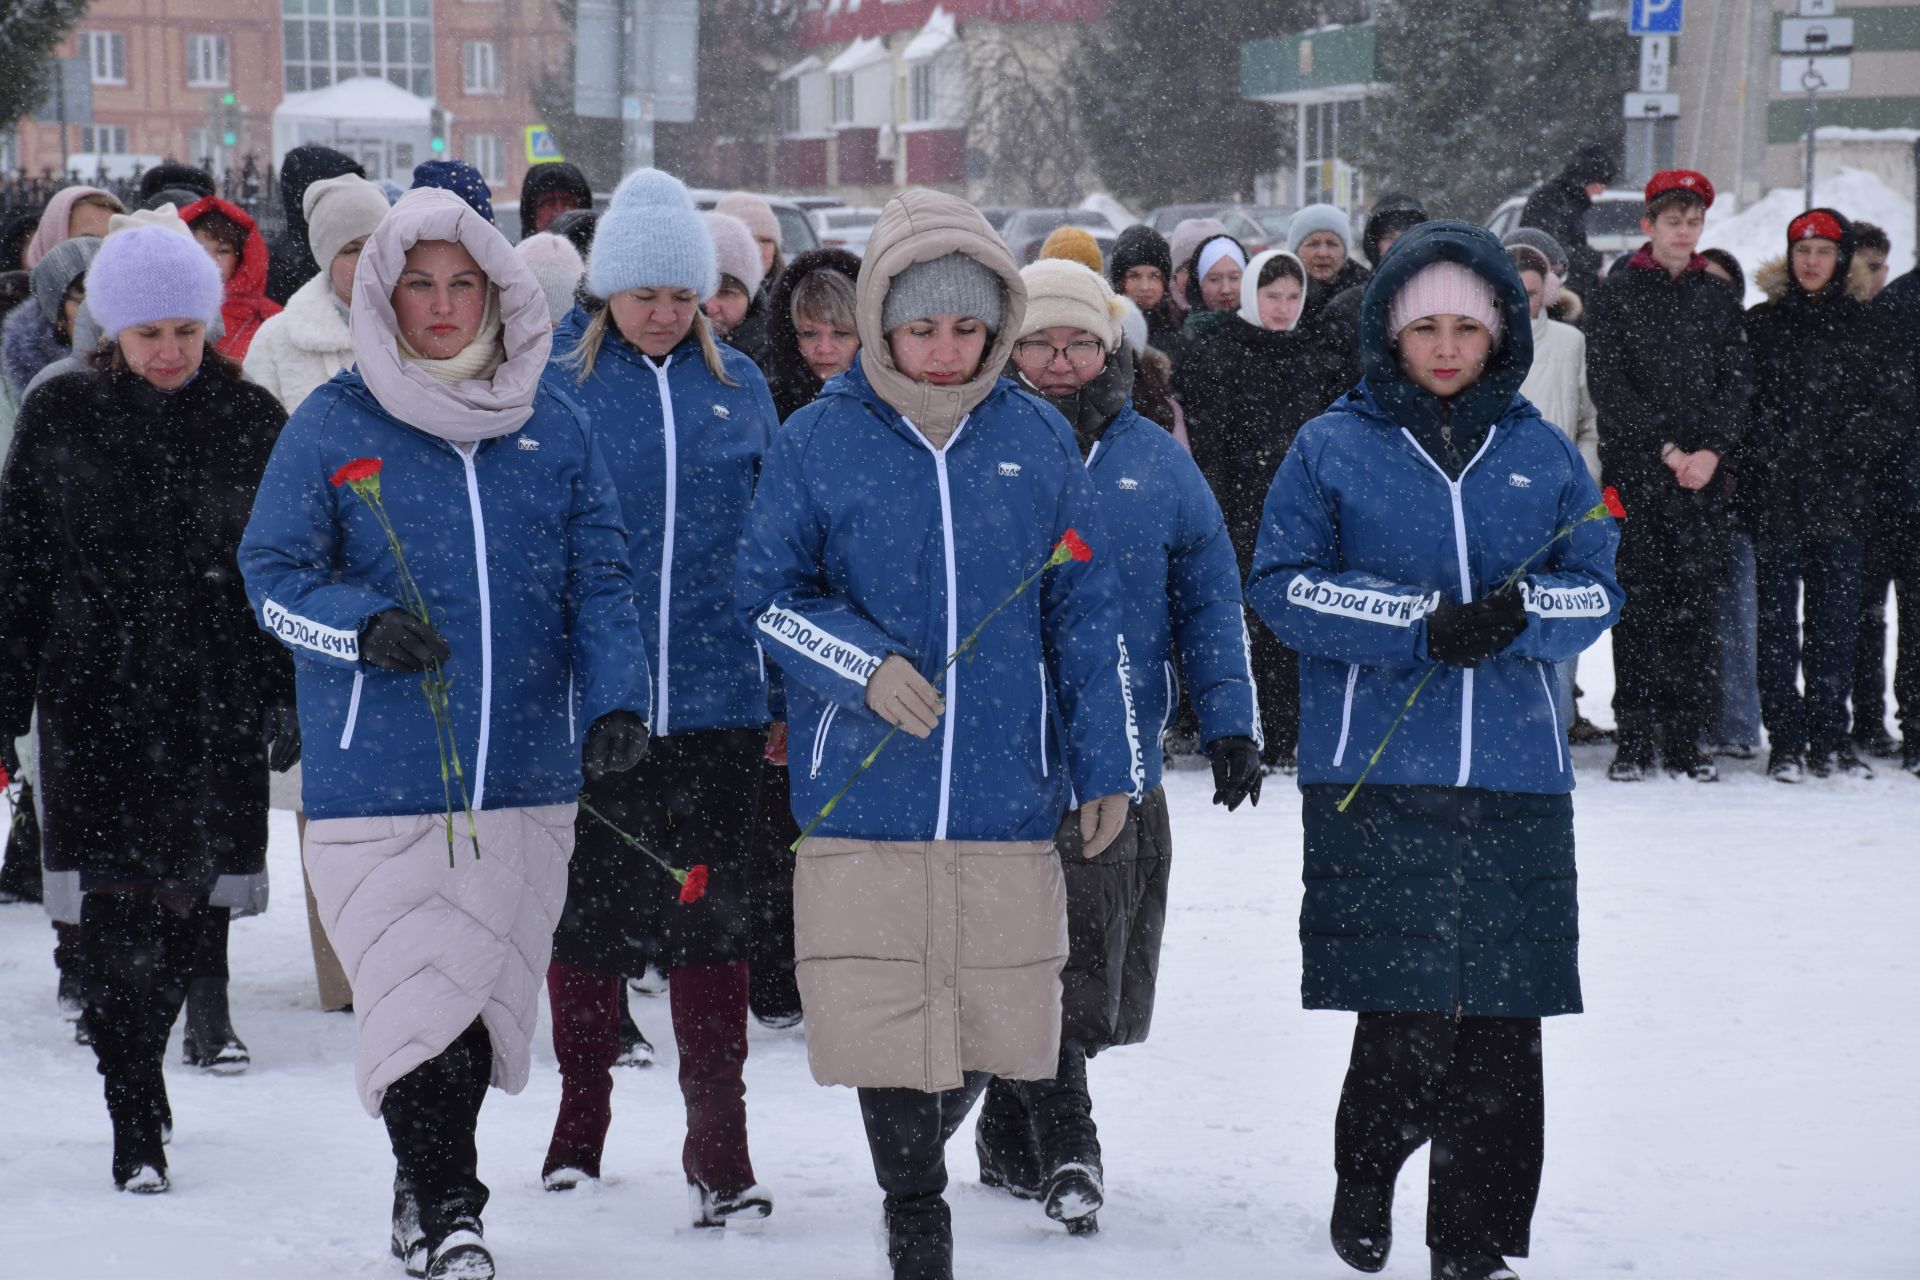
(229, 120)
(437, 124)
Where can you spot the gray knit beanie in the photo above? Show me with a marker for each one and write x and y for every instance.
(54, 274)
(954, 285)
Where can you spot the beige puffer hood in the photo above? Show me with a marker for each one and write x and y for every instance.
(1774, 275)
(919, 225)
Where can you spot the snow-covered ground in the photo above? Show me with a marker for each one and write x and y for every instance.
(1758, 233)
(1738, 1102)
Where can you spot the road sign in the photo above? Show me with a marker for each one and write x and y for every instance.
(596, 60)
(1651, 106)
(1816, 75)
(1656, 54)
(676, 56)
(1817, 8)
(542, 146)
(69, 84)
(1816, 36)
(1656, 17)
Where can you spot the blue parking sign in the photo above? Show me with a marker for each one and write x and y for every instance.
(1656, 17)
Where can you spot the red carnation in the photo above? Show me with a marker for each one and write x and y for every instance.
(6, 779)
(358, 469)
(1076, 546)
(1615, 508)
(694, 887)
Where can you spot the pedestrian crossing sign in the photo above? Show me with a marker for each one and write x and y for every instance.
(542, 146)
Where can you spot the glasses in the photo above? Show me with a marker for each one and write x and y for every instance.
(1082, 353)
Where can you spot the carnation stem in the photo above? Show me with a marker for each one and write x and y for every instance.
(678, 875)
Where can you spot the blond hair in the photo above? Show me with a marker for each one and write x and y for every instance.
(585, 352)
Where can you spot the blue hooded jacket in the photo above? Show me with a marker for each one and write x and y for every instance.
(1180, 585)
(1363, 535)
(866, 542)
(519, 550)
(684, 451)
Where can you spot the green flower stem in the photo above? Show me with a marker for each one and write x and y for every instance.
(1060, 556)
(680, 877)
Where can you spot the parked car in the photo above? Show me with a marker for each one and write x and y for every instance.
(845, 228)
(1026, 230)
(796, 232)
(1258, 227)
(1613, 224)
(997, 214)
(507, 216)
(810, 203)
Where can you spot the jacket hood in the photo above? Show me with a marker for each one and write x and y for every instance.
(917, 226)
(54, 274)
(1139, 246)
(27, 345)
(55, 222)
(543, 180)
(1775, 279)
(1196, 299)
(248, 288)
(793, 384)
(1250, 288)
(464, 411)
(1392, 214)
(303, 167)
(1475, 248)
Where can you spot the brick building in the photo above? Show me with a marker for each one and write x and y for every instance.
(363, 74)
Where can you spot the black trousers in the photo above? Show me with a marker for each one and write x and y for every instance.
(907, 1132)
(1471, 1086)
(1035, 1127)
(1672, 560)
(20, 866)
(135, 954)
(431, 1113)
(1276, 678)
(1892, 559)
(772, 991)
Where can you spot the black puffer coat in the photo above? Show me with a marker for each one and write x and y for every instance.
(789, 379)
(122, 614)
(1900, 303)
(544, 180)
(1559, 208)
(752, 336)
(1247, 390)
(1831, 404)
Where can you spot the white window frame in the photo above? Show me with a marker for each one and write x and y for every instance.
(91, 134)
(209, 62)
(480, 68)
(844, 113)
(107, 56)
(486, 153)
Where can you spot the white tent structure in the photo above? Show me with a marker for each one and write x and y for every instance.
(385, 128)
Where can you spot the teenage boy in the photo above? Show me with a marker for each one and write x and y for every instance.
(1667, 365)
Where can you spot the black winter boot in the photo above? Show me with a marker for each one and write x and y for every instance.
(1362, 1224)
(1069, 1143)
(461, 1254)
(408, 1239)
(135, 1102)
(1485, 1266)
(209, 1041)
(920, 1241)
(1004, 1141)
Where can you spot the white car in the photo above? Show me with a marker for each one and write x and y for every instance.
(844, 228)
(1613, 223)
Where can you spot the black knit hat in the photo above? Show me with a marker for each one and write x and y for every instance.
(171, 173)
(1138, 246)
(1592, 163)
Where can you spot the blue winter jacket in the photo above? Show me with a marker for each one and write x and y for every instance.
(1363, 535)
(1179, 584)
(684, 451)
(866, 542)
(521, 555)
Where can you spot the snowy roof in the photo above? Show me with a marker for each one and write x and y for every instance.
(803, 67)
(1841, 133)
(359, 98)
(863, 52)
(935, 36)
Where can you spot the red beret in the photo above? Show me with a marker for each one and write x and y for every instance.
(1680, 180)
(1815, 224)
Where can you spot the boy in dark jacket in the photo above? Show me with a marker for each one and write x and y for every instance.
(1668, 369)
(1899, 303)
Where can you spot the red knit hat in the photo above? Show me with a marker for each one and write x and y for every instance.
(1815, 224)
(1668, 180)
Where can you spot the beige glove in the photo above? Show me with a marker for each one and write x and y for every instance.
(1100, 823)
(902, 697)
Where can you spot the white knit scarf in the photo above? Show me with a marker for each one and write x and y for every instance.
(477, 360)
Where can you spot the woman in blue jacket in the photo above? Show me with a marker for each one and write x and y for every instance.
(1432, 527)
(511, 529)
(895, 512)
(682, 423)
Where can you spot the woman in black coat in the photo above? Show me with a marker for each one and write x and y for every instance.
(123, 618)
(1830, 404)
(1246, 392)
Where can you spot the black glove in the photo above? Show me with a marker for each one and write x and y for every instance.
(395, 640)
(280, 730)
(1236, 771)
(615, 744)
(1464, 634)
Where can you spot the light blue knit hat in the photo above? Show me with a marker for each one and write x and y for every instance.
(147, 273)
(1319, 217)
(652, 235)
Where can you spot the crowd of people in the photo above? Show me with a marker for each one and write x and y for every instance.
(598, 603)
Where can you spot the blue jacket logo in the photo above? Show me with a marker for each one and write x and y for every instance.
(1519, 481)
(1009, 468)
(528, 444)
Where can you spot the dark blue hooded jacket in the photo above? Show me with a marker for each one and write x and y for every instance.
(1364, 535)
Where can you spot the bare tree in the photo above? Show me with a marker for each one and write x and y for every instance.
(1023, 123)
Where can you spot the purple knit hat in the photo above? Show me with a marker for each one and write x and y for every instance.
(1445, 288)
(145, 274)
